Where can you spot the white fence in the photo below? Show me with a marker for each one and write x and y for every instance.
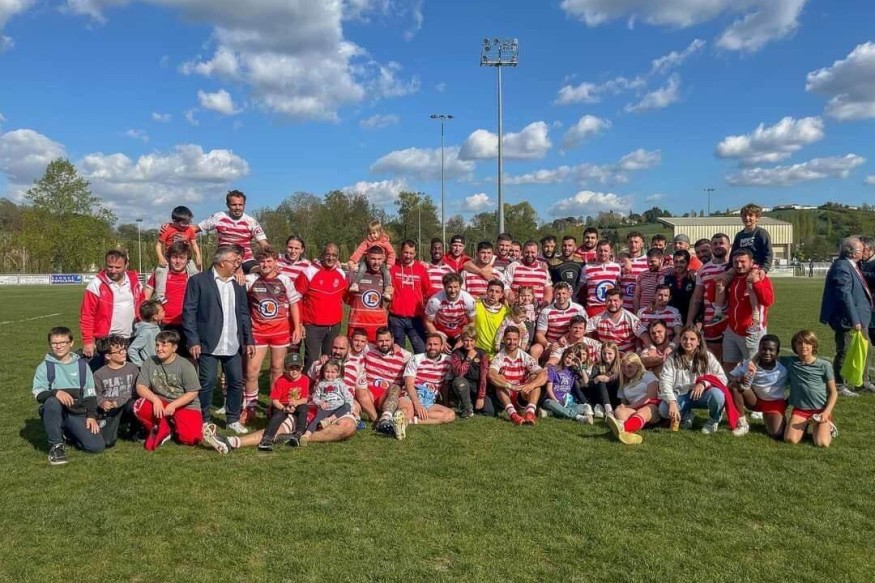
(50, 278)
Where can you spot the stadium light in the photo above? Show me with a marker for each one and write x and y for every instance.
(709, 191)
(443, 117)
(139, 248)
(500, 53)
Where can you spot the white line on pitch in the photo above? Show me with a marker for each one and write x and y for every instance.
(29, 319)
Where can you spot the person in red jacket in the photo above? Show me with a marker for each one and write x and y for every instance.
(322, 287)
(741, 339)
(410, 282)
(110, 305)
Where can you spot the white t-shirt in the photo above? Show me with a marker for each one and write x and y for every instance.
(768, 385)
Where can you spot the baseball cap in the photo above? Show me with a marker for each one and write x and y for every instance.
(293, 359)
(681, 238)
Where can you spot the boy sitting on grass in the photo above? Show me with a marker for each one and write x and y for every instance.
(64, 386)
(114, 383)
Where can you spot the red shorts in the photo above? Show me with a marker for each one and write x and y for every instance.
(777, 406)
(272, 341)
(593, 311)
(378, 392)
(654, 402)
(805, 413)
(713, 333)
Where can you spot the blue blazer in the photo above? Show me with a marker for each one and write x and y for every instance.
(202, 317)
(845, 301)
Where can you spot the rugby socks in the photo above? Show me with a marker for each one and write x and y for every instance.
(509, 409)
(633, 424)
(530, 409)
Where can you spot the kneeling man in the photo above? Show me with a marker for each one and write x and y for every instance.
(517, 378)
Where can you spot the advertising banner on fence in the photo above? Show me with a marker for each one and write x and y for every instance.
(66, 278)
(35, 279)
(8, 280)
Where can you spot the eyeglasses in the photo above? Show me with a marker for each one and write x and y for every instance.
(119, 351)
(64, 343)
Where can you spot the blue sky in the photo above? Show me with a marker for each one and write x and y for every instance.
(615, 104)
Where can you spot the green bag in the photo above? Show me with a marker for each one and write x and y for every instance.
(854, 365)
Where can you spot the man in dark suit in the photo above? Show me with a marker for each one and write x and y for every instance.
(215, 318)
(846, 306)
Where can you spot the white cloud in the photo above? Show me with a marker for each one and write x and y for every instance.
(658, 98)
(24, 155)
(378, 121)
(760, 21)
(587, 173)
(423, 163)
(161, 117)
(380, 193)
(2, 118)
(587, 202)
(587, 92)
(870, 179)
(190, 117)
(586, 127)
(767, 145)
(529, 143)
(849, 83)
(440, 87)
(654, 197)
(479, 202)
(293, 56)
(138, 135)
(417, 19)
(816, 169)
(8, 9)
(219, 101)
(675, 59)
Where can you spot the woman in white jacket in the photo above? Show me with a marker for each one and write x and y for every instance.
(688, 381)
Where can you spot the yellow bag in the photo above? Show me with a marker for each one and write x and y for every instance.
(854, 365)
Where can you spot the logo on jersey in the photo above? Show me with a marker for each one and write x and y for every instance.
(371, 299)
(629, 290)
(268, 308)
(601, 290)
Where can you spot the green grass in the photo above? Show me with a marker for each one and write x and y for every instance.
(479, 500)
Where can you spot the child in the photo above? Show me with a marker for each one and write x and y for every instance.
(288, 397)
(639, 404)
(604, 381)
(756, 239)
(143, 345)
(812, 392)
(331, 396)
(560, 399)
(525, 297)
(767, 377)
(114, 383)
(376, 236)
(64, 387)
(179, 229)
(516, 316)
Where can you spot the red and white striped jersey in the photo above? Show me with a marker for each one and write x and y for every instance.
(598, 279)
(353, 373)
(628, 280)
(647, 281)
(593, 350)
(554, 321)
(269, 303)
(229, 231)
(426, 371)
(450, 316)
(293, 270)
(536, 275)
(474, 284)
(385, 367)
(584, 254)
(515, 369)
(706, 277)
(621, 332)
(435, 276)
(669, 315)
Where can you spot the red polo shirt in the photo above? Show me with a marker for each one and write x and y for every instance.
(322, 292)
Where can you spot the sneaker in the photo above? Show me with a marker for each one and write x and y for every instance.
(844, 391)
(833, 430)
(385, 427)
(265, 445)
(687, 421)
(516, 418)
(159, 435)
(399, 422)
(529, 418)
(221, 410)
(302, 441)
(621, 434)
(238, 428)
(756, 416)
(467, 413)
(360, 425)
(584, 419)
(542, 413)
(587, 410)
(742, 428)
(57, 455)
(284, 438)
(214, 440)
(598, 412)
(711, 427)
(868, 387)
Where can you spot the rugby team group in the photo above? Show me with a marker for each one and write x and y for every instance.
(580, 330)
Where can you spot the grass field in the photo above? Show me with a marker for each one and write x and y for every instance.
(479, 500)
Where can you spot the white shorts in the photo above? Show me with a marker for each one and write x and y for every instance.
(739, 348)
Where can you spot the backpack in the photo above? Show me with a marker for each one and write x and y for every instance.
(50, 373)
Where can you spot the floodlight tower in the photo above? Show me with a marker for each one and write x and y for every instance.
(443, 117)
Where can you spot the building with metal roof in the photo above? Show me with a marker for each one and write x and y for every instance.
(697, 228)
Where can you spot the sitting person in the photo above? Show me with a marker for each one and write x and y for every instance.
(813, 392)
(114, 383)
(562, 399)
(332, 399)
(425, 381)
(469, 368)
(604, 382)
(64, 387)
(517, 379)
(639, 404)
(657, 347)
(759, 384)
(288, 398)
(516, 316)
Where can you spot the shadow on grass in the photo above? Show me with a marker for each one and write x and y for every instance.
(33, 433)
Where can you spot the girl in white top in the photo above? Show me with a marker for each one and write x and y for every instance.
(639, 404)
(682, 387)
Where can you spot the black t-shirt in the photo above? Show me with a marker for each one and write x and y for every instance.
(681, 291)
(567, 271)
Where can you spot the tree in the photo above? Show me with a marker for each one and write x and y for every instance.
(66, 228)
(416, 218)
(521, 221)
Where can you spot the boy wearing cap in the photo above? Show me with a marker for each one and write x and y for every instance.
(288, 397)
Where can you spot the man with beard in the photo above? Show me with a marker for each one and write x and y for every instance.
(741, 339)
(682, 243)
(490, 311)
(410, 282)
(436, 268)
(353, 368)
(703, 250)
(366, 309)
(384, 364)
(682, 282)
(586, 252)
(456, 258)
(654, 275)
(656, 347)
(322, 287)
(705, 293)
(235, 227)
(532, 273)
(615, 324)
(566, 266)
(517, 379)
(449, 310)
(425, 380)
(598, 277)
(548, 250)
(555, 318)
(659, 310)
(576, 335)
(109, 307)
(516, 251)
